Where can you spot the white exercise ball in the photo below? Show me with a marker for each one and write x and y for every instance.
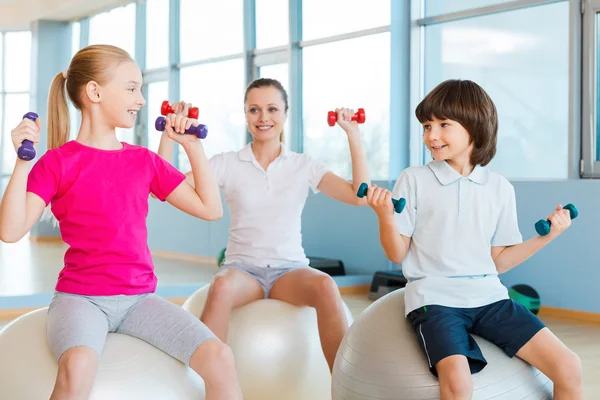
(129, 368)
(380, 358)
(276, 349)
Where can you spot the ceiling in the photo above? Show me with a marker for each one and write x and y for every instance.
(18, 14)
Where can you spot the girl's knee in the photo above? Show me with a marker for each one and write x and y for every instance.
(76, 367)
(213, 356)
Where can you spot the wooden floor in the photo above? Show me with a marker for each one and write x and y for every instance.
(27, 268)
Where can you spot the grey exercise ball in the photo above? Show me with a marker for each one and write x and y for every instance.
(380, 358)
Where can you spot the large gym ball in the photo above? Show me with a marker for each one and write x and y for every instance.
(129, 368)
(380, 358)
(276, 349)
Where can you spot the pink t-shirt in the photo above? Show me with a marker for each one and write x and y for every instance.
(100, 198)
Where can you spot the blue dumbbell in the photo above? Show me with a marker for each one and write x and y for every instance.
(542, 227)
(398, 204)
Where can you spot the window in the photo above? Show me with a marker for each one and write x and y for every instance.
(115, 27)
(15, 93)
(521, 59)
(75, 37)
(157, 33)
(217, 89)
(334, 17)
(211, 29)
(331, 81)
(157, 93)
(280, 73)
(272, 23)
(18, 65)
(437, 7)
(15, 104)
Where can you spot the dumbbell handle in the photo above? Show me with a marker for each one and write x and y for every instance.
(166, 109)
(27, 152)
(542, 227)
(201, 131)
(398, 203)
(359, 116)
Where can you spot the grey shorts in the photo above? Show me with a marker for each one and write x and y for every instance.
(76, 320)
(265, 276)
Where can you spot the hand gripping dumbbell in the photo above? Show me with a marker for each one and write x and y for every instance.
(359, 117)
(26, 152)
(166, 109)
(542, 227)
(201, 130)
(398, 204)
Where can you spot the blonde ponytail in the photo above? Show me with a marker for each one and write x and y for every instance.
(58, 113)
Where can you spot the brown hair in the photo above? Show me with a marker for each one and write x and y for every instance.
(92, 63)
(267, 82)
(468, 104)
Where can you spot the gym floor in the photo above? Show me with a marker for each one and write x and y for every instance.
(29, 268)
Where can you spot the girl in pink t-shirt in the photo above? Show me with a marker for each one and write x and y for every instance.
(98, 190)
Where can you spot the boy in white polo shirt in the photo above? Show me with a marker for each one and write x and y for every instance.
(457, 232)
(265, 187)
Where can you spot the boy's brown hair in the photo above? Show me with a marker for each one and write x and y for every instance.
(468, 104)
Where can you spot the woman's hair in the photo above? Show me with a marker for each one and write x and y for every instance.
(267, 82)
(92, 63)
(468, 104)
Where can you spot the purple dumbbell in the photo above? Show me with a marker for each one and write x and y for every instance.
(201, 131)
(26, 152)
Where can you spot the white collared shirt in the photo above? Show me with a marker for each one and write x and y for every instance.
(453, 222)
(266, 206)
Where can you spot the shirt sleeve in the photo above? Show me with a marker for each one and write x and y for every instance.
(217, 167)
(406, 188)
(165, 177)
(507, 228)
(44, 177)
(316, 171)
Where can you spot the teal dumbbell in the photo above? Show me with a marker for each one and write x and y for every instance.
(542, 227)
(398, 204)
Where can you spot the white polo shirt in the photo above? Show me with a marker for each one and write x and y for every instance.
(266, 206)
(453, 222)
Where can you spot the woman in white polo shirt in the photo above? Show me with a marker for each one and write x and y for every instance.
(265, 187)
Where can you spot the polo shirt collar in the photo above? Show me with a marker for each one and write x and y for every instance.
(447, 175)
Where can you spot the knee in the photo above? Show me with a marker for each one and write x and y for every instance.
(213, 358)
(460, 387)
(570, 371)
(326, 290)
(221, 288)
(76, 366)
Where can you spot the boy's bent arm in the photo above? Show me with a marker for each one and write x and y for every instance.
(395, 245)
(506, 258)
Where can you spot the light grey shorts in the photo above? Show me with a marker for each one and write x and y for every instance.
(265, 276)
(76, 320)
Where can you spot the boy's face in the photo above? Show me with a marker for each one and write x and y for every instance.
(447, 140)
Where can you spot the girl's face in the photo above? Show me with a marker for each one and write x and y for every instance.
(265, 113)
(121, 98)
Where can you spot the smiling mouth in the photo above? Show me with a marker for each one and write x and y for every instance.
(264, 127)
(133, 113)
(439, 147)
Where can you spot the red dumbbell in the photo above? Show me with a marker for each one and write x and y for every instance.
(166, 109)
(358, 117)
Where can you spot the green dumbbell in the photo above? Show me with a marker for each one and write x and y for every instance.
(398, 204)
